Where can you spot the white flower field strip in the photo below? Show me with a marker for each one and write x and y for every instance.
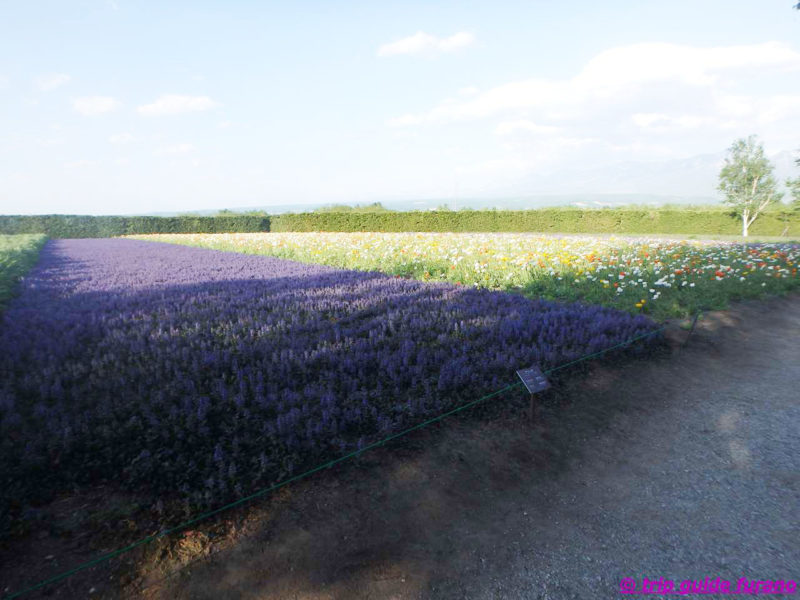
(663, 277)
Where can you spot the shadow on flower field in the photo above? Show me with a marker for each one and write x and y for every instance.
(638, 469)
(185, 378)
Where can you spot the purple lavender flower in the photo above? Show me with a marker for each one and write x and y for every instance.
(118, 351)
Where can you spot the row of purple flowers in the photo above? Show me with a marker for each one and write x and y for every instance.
(175, 369)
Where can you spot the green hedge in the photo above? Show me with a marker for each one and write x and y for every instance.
(84, 226)
(553, 220)
(698, 221)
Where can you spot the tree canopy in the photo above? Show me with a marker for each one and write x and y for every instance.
(746, 180)
(794, 188)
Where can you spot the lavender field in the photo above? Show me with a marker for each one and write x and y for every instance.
(201, 375)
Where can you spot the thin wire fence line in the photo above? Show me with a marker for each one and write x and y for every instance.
(212, 554)
(316, 469)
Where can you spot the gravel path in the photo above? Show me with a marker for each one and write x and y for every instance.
(700, 477)
(684, 466)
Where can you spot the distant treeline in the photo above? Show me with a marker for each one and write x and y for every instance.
(689, 221)
(85, 226)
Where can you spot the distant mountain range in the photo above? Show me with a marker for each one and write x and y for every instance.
(690, 180)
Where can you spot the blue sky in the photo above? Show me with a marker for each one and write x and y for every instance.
(113, 107)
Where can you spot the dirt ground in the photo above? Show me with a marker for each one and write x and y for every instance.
(683, 466)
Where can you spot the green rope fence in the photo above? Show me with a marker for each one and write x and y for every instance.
(327, 465)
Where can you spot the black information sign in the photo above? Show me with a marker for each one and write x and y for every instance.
(534, 379)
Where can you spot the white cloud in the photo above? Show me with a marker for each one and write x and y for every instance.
(405, 120)
(424, 43)
(50, 142)
(646, 120)
(509, 127)
(95, 105)
(176, 149)
(468, 91)
(621, 78)
(80, 164)
(121, 138)
(650, 62)
(778, 108)
(47, 83)
(173, 104)
(538, 153)
(659, 122)
(405, 134)
(734, 105)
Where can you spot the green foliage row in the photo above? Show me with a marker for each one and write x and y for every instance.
(694, 221)
(18, 253)
(85, 226)
(620, 221)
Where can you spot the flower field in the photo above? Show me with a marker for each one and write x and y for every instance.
(656, 277)
(201, 375)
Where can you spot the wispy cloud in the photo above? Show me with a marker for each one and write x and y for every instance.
(523, 125)
(658, 122)
(95, 105)
(173, 104)
(80, 164)
(176, 149)
(121, 138)
(425, 44)
(47, 83)
(50, 142)
(406, 120)
(468, 91)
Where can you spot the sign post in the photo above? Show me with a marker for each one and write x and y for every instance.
(691, 330)
(534, 381)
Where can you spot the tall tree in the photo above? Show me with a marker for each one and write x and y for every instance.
(746, 180)
(794, 188)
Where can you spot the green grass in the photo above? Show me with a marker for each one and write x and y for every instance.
(18, 253)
